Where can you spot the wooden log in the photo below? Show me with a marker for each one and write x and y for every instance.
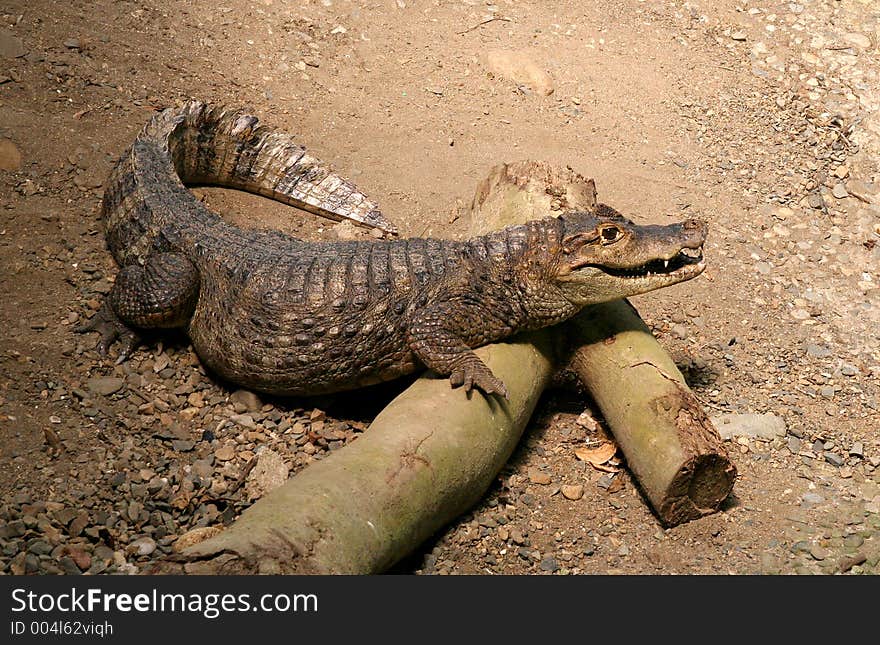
(428, 457)
(669, 443)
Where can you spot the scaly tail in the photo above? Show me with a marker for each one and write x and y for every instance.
(208, 144)
(224, 147)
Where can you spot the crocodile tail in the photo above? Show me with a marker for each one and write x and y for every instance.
(204, 144)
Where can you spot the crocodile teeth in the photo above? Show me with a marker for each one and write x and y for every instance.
(665, 264)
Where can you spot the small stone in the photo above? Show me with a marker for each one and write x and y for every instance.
(65, 516)
(538, 477)
(815, 200)
(572, 491)
(183, 445)
(834, 459)
(10, 157)
(224, 453)
(10, 46)
(82, 559)
(738, 35)
(827, 391)
(134, 510)
(818, 552)
(849, 370)
(249, 401)
(853, 541)
(69, 566)
(857, 450)
(72, 43)
(78, 524)
(839, 191)
(757, 426)
(606, 480)
(812, 498)
(269, 472)
(143, 546)
(800, 314)
(841, 172)
(203, 468)
(548, 563)
(244, 420)
(818, 351)
(105, 386)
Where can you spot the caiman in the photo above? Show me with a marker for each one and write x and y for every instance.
(280, 315)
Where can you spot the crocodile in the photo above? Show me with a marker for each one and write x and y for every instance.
(286, 316)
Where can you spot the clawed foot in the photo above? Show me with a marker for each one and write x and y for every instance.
(106, 323)
(477, 375)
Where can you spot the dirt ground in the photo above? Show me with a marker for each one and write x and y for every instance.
(760, 117)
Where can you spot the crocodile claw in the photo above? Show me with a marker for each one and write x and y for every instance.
(111, 329)
(477, 375)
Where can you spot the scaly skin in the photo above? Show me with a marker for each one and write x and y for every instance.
(280, 315)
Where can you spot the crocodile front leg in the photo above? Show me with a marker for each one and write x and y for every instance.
(160, 295)
(442, 336)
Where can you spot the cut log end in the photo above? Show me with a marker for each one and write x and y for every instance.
(698, 489)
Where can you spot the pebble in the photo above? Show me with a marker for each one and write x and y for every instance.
(834, 459)
(548, 563)
(82, 559)
(849, 370)
(538, 477)
(244, 420)
(195, 536)
(853, 541)
(519, 67)
(105, 386)
(818, 553)
(818, 351)
(757, 426)
(224, 453)
(69, 566)
(839, 191)
(10, 156)
(268, 473)
(247, 400)
(572, 491)
(143, 546)
(11, 46)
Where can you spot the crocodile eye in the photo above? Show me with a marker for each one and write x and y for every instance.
(610, 234)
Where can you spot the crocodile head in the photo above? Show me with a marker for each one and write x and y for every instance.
(604, 256)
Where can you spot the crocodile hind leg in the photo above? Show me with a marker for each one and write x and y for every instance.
(160, 295)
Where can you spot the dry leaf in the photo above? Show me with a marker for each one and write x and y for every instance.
(605, 468)
(596, 456)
